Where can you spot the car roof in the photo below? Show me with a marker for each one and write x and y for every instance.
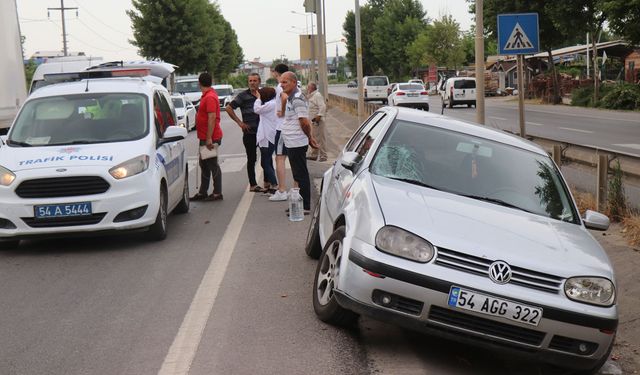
(445, 122)
(223, 86)
(121, 84)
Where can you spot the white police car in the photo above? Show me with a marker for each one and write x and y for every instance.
(91, 156)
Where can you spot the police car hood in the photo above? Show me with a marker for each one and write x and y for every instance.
(102, 154)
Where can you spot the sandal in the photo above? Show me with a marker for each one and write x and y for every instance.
(214, 197)
(198, 197)
(258, 189)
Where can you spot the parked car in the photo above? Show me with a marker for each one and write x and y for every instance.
(416, 80)
(225, 94)
(190, 88)
(459, 90)
(461, 231)
(92, 156)
(411, 95)
(185, 112)
(375, 88)
(352, 84)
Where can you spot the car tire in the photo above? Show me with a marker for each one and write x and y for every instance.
(9, 244)
(183, 205)
(426, 107)
(313, 247)
(325, 303)
(158, 230)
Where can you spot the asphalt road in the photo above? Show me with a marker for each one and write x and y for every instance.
(228, 292)
(611, 130)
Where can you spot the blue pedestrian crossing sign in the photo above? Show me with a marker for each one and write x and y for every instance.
(518, 34)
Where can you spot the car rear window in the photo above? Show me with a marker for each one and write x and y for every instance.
(177, 102)
(465, 84)
(377, 81)
(412, 86)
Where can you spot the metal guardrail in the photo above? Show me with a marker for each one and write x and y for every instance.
(563, 152)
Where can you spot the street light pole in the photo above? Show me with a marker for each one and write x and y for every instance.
(322, 52)
(480, 63)
(359, 65)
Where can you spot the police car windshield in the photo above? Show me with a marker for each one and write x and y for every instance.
(81, 119)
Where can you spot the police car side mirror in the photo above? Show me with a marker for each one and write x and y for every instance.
(173, 134)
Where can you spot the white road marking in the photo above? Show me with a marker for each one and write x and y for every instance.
(634, 146)
(534, 123)
(498, 118)
(577, 130)
(185, 345)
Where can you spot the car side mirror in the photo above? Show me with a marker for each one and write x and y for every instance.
(173, 134)
(350, 159)
(595, 220)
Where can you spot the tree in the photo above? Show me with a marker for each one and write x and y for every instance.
(439, 44)
(368, 13)
(198, 34)
(624, 18)
(401, 21)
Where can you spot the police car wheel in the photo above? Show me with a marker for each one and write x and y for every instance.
(158, 231)
(183, 205)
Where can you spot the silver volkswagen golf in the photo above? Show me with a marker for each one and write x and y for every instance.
(465, 232)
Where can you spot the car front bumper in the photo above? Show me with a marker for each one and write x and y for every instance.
(419, 302)
(131, 193)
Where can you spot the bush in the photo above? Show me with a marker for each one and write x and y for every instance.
(582, 96)
(624, 96)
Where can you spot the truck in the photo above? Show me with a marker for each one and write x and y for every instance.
(13, 90)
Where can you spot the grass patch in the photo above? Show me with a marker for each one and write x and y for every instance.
(584, 200)
(631, 229)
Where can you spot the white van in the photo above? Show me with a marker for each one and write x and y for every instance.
(71, 64)
(459, 90)
(375, 88)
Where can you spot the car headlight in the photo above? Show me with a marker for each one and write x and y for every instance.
(594, 290)
(130, 167)
(399, 242)
(6, 176)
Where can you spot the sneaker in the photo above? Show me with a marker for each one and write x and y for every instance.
(279, 196)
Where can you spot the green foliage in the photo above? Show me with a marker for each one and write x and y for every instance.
(368, 14)
(201, 39)
(624, 18)
(439, 44)
(398, 26)
(616, 201)
(621, 96)
(29, 68)
(238, 81)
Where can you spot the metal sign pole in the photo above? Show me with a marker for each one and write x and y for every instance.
(523, 132)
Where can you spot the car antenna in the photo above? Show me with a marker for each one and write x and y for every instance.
(87, 88)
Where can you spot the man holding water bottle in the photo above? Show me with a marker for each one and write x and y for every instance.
(296, 135)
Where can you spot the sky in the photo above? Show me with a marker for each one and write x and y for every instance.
(102, 28)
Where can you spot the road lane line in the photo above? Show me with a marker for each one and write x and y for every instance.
(498, 118)
(534, 123)
(185, 345)
(576, 130)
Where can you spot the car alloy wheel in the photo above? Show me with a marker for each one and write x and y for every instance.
(325, 303)
(158, 230)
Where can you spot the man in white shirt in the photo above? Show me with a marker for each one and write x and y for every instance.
(317, 112)
(296, 136)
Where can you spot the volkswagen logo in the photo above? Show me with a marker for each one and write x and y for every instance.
(499, 272)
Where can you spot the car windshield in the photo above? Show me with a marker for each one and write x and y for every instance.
(465, 84)
(187, 86)
(177, 102)
(224, 91)
(81, 119)
(474, 167)
(411, 87)
(377, 81)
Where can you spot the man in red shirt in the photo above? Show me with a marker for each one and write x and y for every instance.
(209, 136)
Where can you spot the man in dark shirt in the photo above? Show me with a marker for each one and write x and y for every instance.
(248, 124)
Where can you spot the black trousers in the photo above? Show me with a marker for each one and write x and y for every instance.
(209, 168)
(298, 161)
(249, 142)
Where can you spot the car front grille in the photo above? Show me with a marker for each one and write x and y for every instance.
(62, 187)
(67, 221)
(485, 326)
(480, 266)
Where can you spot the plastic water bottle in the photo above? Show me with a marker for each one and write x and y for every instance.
(296, 212)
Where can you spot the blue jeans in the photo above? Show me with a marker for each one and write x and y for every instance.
(266, 161)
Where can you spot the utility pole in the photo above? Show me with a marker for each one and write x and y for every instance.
(322, 51)
(359, 65)
(64, 27)
(479, 63)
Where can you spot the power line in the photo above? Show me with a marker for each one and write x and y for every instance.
(98, 34)
(90, 44)
(99, 20)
